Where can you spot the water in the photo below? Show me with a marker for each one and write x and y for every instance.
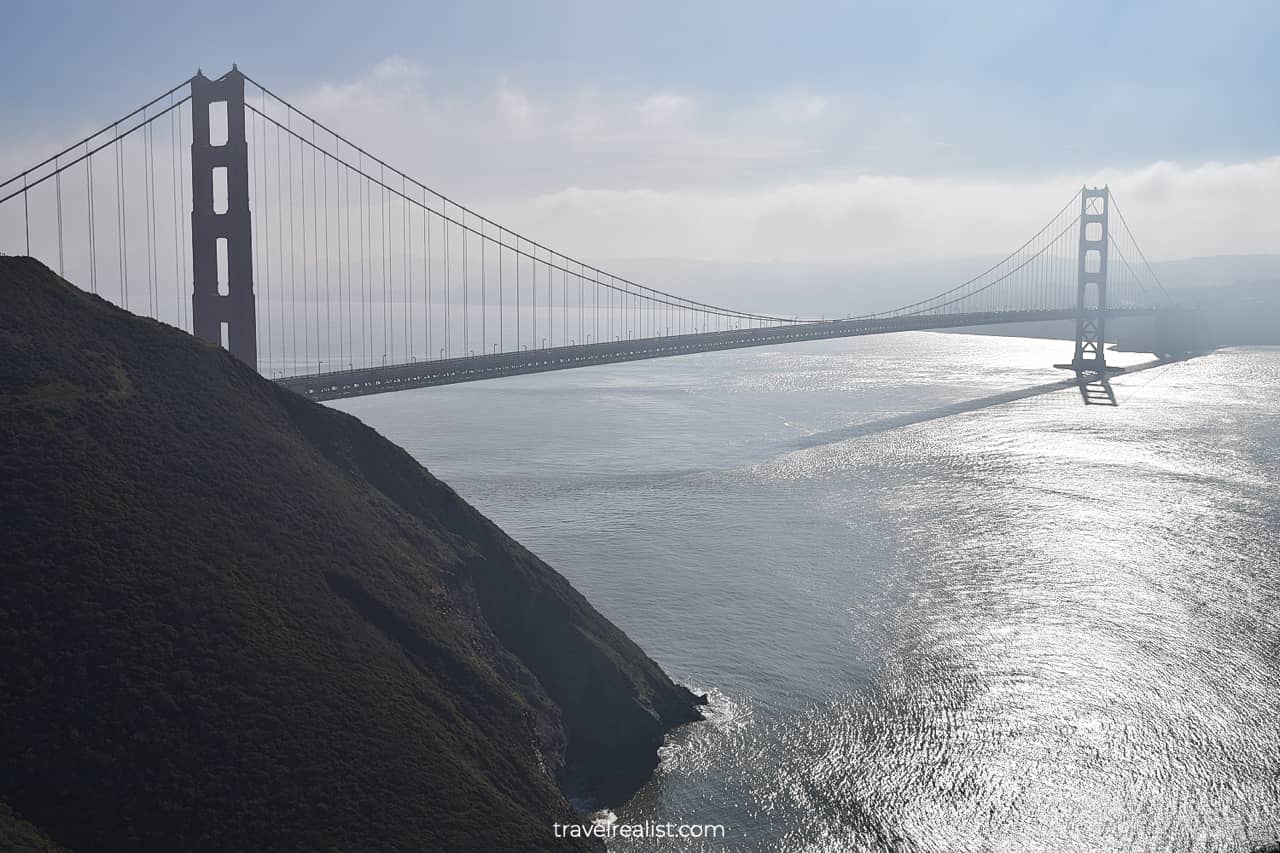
(937, 605)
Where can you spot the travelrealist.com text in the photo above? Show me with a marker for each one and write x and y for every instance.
(647, 829)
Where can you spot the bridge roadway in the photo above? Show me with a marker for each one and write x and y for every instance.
(424, 374)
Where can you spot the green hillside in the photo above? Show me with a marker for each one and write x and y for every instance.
(232, 619)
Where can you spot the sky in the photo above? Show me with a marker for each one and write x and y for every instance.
(730, 132)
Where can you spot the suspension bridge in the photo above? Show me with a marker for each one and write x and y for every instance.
(223, 209)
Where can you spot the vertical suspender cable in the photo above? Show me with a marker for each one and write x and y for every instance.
(152, 273)
(502, 343)
(26, 213)
(382, 224)
(448, 281)
(315, 242)
(342, 292)
(406, 250)
(328, 309)
(124, 226)
(265, 226)
(362, 233)
(291, 358)
(284, 350)
(306, 287)
(426, 239)
(408, 278)
(155, 221)
(351, 339)
(255, 218)
(57, 185)
(93, 240)
(516, 258)
(466, 272)
(146, 209)
(182, 221)
(348, 302)
(173, 181)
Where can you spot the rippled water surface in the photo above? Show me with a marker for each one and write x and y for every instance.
(939, 603)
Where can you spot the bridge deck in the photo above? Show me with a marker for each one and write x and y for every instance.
(424, 374)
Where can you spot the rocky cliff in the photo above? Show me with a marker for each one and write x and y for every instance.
(232, 619)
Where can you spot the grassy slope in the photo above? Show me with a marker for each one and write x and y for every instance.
(233, 619)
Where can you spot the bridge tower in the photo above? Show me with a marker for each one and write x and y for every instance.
(222, 304)
(1091, 281)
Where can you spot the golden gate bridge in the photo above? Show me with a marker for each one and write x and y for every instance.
(221, 208)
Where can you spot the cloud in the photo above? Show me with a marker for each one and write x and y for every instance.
(666, 107)
(514, 107)
(799, 107)
(491, 139)
(615, 173)
(607, 172)
(1174, 210)
(398, 69)
(1180, 210)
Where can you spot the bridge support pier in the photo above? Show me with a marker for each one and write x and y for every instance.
(1091, 282)
(222, 302)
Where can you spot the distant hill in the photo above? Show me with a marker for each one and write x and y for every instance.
(1217, 271)
(231, 619)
